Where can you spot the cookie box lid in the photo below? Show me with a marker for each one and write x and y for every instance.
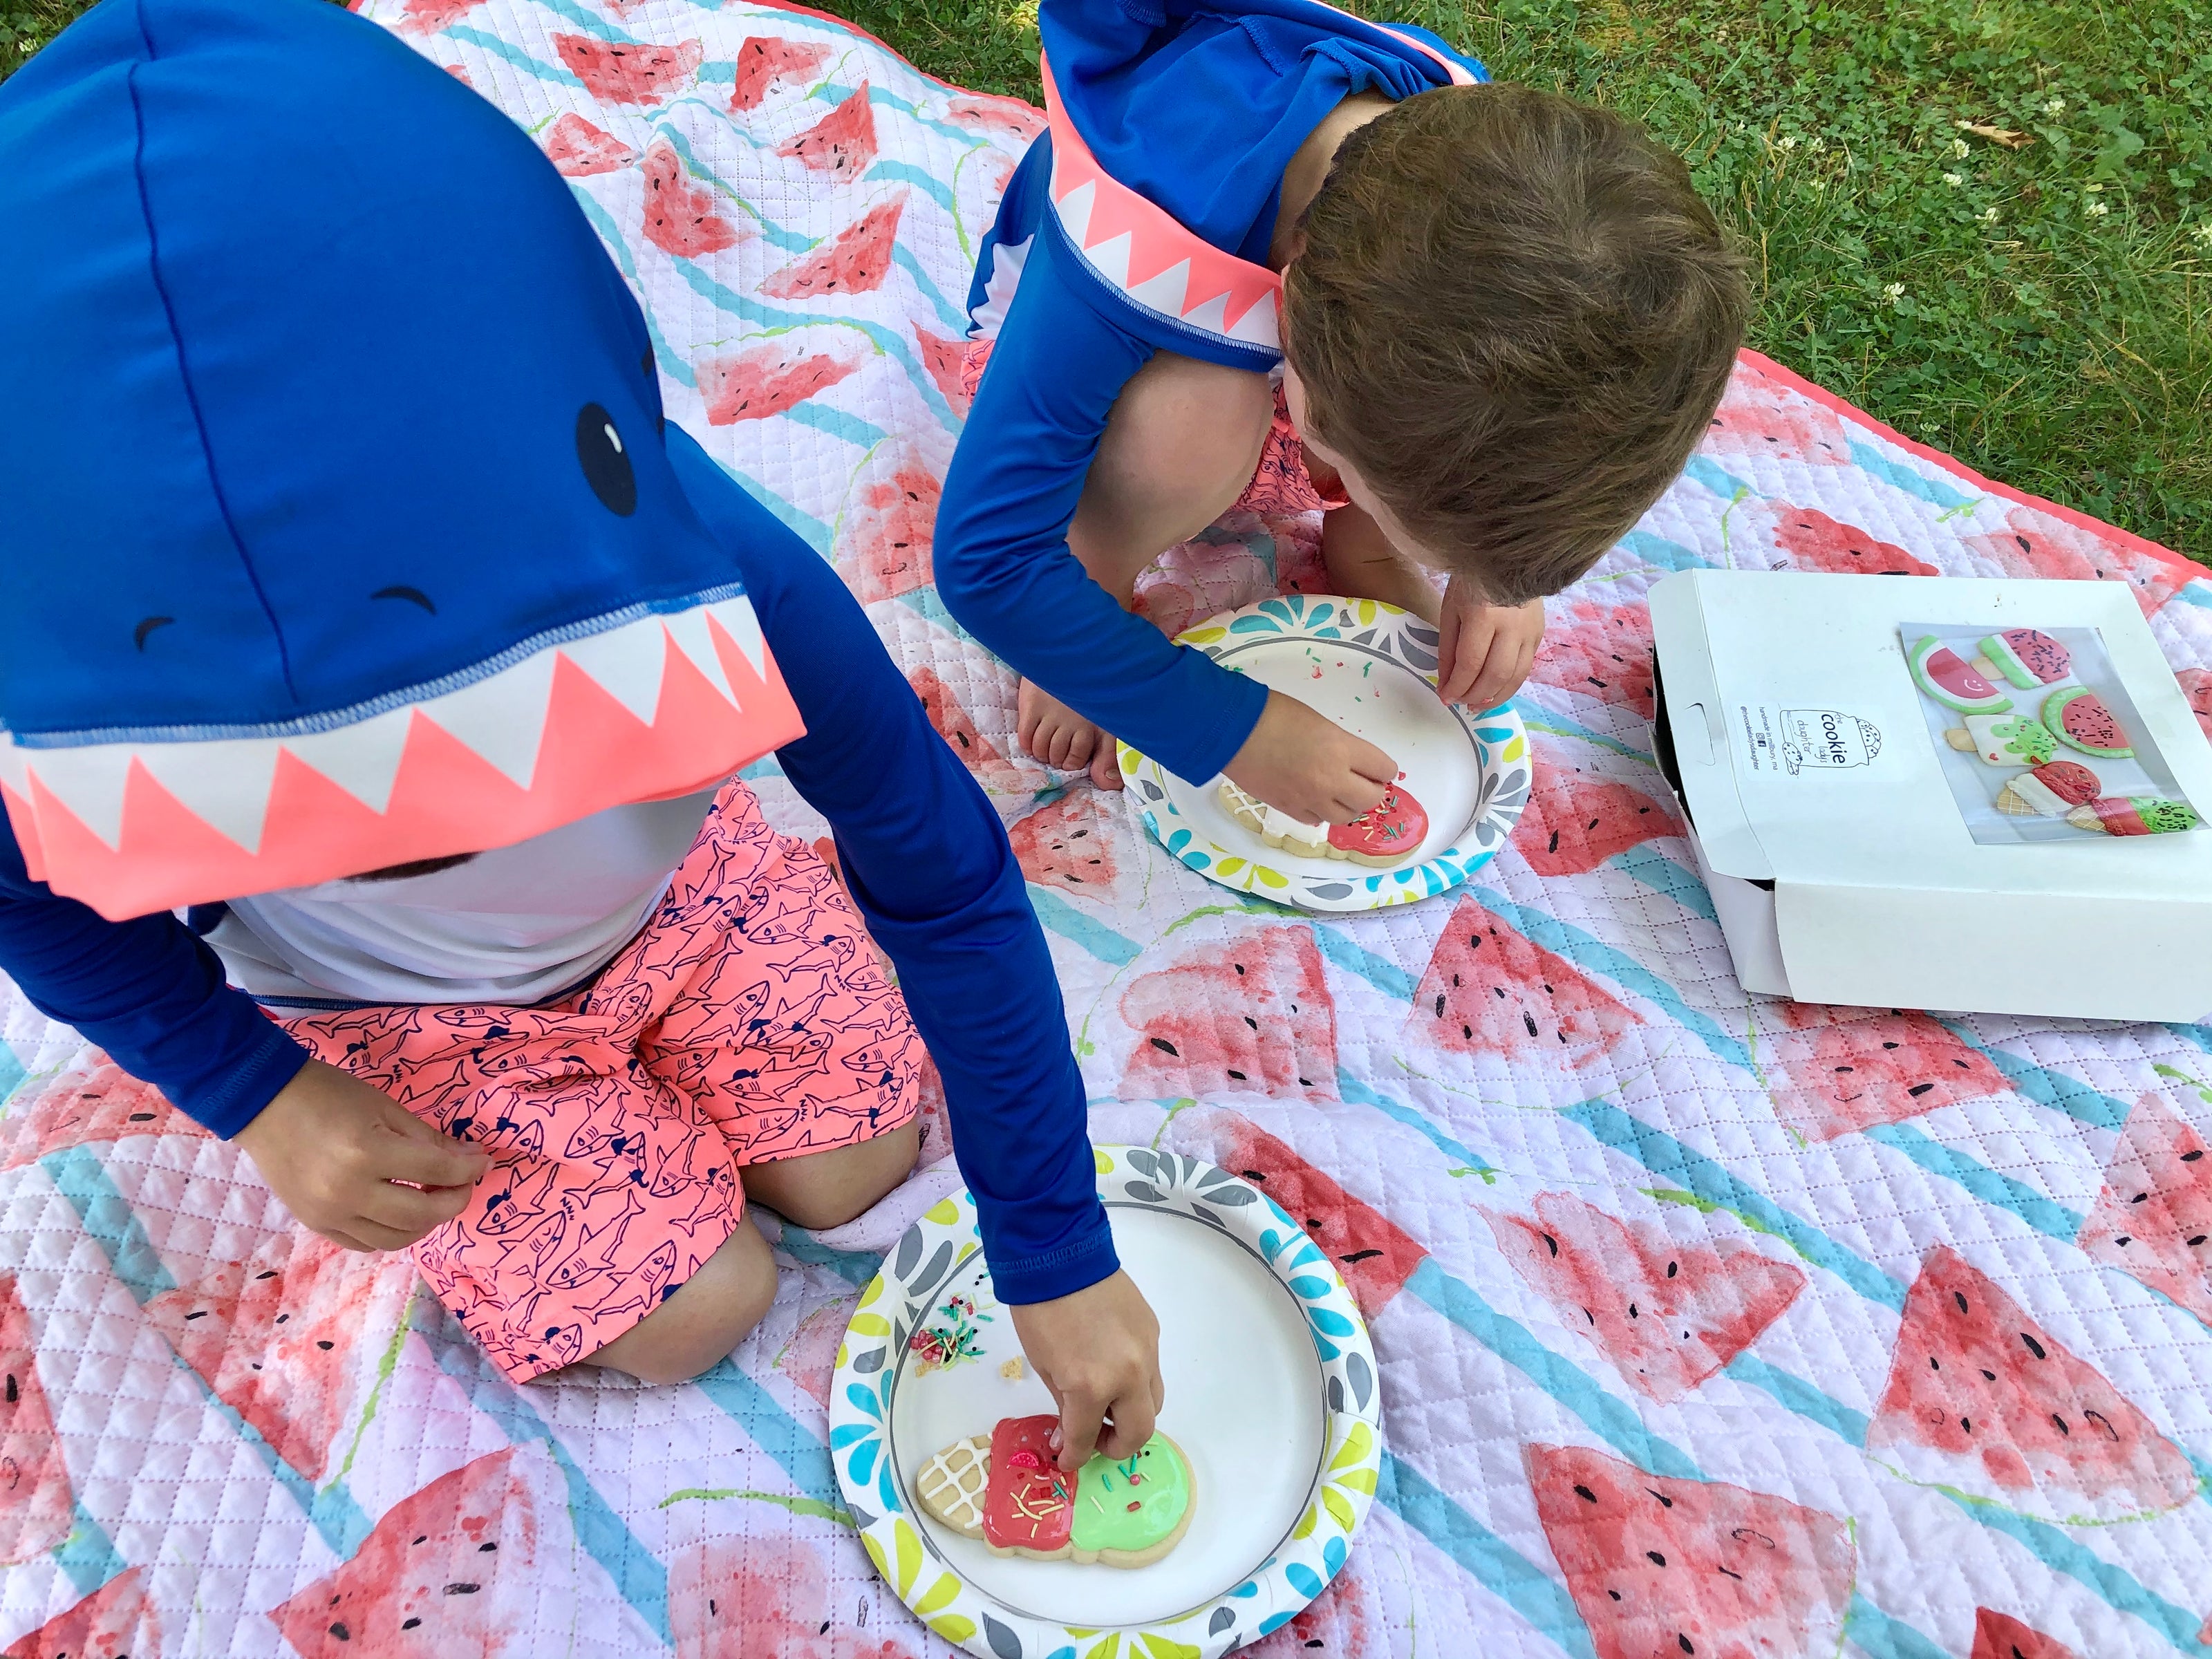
(1846, 782)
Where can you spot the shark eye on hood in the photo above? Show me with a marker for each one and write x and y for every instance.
(605, 460)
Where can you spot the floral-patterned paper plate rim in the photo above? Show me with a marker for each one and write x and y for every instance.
(901, 1298)
(1500, 742)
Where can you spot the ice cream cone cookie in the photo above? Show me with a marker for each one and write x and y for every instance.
(2134, 815)
(1938, 670)
(2051, 791)
(1273, 828)
(2023, 656)
(1385, 834)
(2077, 717)
(950, 1485)
(2003, 739)
(1009, 1490)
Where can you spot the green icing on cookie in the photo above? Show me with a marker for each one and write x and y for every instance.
(2165, 817)
(1133, 1504)
(2029, 740)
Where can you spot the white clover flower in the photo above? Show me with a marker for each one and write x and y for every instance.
(1955, 179)
(2095, 208)
(1786, 141)
(2054, 106)
(1961, 149)
(1816, 143)
(1989, 215)
(1893, 292)
(2203, 232)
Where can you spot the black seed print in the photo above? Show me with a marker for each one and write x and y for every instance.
(1528, 1020)
(1585, 1494)
(1550, 1243)
(1655, 1558)
(1165, 1046)
(2033, 1346)
(1919, 1088)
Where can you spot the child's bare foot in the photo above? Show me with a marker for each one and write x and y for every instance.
(1055, 733)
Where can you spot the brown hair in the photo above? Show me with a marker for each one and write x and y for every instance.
(1513, 316)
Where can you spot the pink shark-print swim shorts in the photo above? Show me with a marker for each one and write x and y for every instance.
(750, 1020)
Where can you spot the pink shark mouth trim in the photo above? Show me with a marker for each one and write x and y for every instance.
(659, 706)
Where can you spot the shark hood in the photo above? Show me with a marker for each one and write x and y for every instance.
(336, 525)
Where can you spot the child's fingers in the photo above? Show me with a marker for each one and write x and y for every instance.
(1369, 762)
(1462, 668)
(412, 1211)
(1134, 1418)
(413, 1151)
(1081, 1416)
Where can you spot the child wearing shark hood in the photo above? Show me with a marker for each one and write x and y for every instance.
(375, 666)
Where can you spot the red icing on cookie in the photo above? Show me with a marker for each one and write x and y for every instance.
(1027, 1503)
(1390, 831)
(2071, 781)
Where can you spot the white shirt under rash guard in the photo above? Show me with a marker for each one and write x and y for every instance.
(513, 926)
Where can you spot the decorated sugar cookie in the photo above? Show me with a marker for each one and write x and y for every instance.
(2077, 717)
(1938, 670)
(2024, 656)
(1275, 828)
(2051, 791)
(2004, 739)
(1020, 1502)
(1387, 833)
(2135, 815)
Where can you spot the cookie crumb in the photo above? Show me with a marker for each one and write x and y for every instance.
(1011, 1370)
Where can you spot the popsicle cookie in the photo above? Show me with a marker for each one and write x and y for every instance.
(2003, 739)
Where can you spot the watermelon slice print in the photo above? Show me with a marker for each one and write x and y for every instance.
(1067, 844)
(681, 217)
(767, 380)
(765, 62)
(426, 1582)
(888, 529)
(1575, 821)
(1759, 418)
(1252, 1016)
(1983, 1398)
(957, 727)
(113, 1622)
(579, 149)
(36, 1508)
(1489, 990)
(2154, 1218)
(1668, 1315)
(810, 1358)
(1599, 652)
(274, 1336)
(1374, 1253)
(2034, 543)
(1851, 1073)
(1668, 1569)
(842, 144)
(750, 1597)
(856, 262)
(984, 113)
(429, 16)
(2001, 1635)
(628, 72)
(945, 360)
(80, 1109)
(1814, 541)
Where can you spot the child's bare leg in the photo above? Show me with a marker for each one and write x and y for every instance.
(827, 1189)
(708, 1315)
(1363, 565)
(1178, 450)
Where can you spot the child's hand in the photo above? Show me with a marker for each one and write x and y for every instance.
(1305, 763)
(1485, 650)
(1098, 1351)
(333, 1148)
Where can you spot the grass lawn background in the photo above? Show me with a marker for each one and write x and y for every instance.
(2043, 311)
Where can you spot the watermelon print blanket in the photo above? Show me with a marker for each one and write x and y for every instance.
(1708, 1326)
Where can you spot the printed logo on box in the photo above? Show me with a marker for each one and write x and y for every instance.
(1800, 740)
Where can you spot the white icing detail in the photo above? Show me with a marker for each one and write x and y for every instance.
(1006, 262)
(628, 663)
(501, 718)
(1110, 260)
(230, 796)
(1164, 292)
(89, 782)
(691, 637)
(737, 620)
(1076, 208)
(363, 758)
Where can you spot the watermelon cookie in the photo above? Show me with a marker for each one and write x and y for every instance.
(1011, 1493)
(1384, 835)
(2134, 815)
(2025, 656)
(2078, 718)
(1938, 670)
(2051, 791)
(2003, 739)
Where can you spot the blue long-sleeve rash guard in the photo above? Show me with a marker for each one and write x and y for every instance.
(1199, 109)
(923, 853)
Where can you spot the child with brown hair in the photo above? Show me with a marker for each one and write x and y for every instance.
(1268, 254)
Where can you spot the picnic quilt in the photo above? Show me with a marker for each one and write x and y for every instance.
(1709, 1325)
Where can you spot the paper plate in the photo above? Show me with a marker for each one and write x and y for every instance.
(1372, 669)
(1271, 1393)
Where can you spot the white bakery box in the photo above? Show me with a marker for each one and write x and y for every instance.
(1855, 855)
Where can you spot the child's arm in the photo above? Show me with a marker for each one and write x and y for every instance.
(926, 859)
(154, 998)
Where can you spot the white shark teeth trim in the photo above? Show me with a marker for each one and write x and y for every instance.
(362, 759)
(1006, 262)
(224, 784)
(738, 621)
(1164, 293)
(1258, 326)
(688, 630)
(501, 718)
(1213, 316)
(15, 766)
(1076, 209)
(89, 782)
(628, 663)
(1110, 259)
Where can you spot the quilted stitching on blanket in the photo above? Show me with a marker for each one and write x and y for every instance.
(1708, 1326)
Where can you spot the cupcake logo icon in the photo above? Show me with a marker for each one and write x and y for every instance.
(1827, 739)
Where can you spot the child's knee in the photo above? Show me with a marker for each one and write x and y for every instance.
(827, 1189)
(695, 1328)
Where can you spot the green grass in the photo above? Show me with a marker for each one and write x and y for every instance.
(2044, 312)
